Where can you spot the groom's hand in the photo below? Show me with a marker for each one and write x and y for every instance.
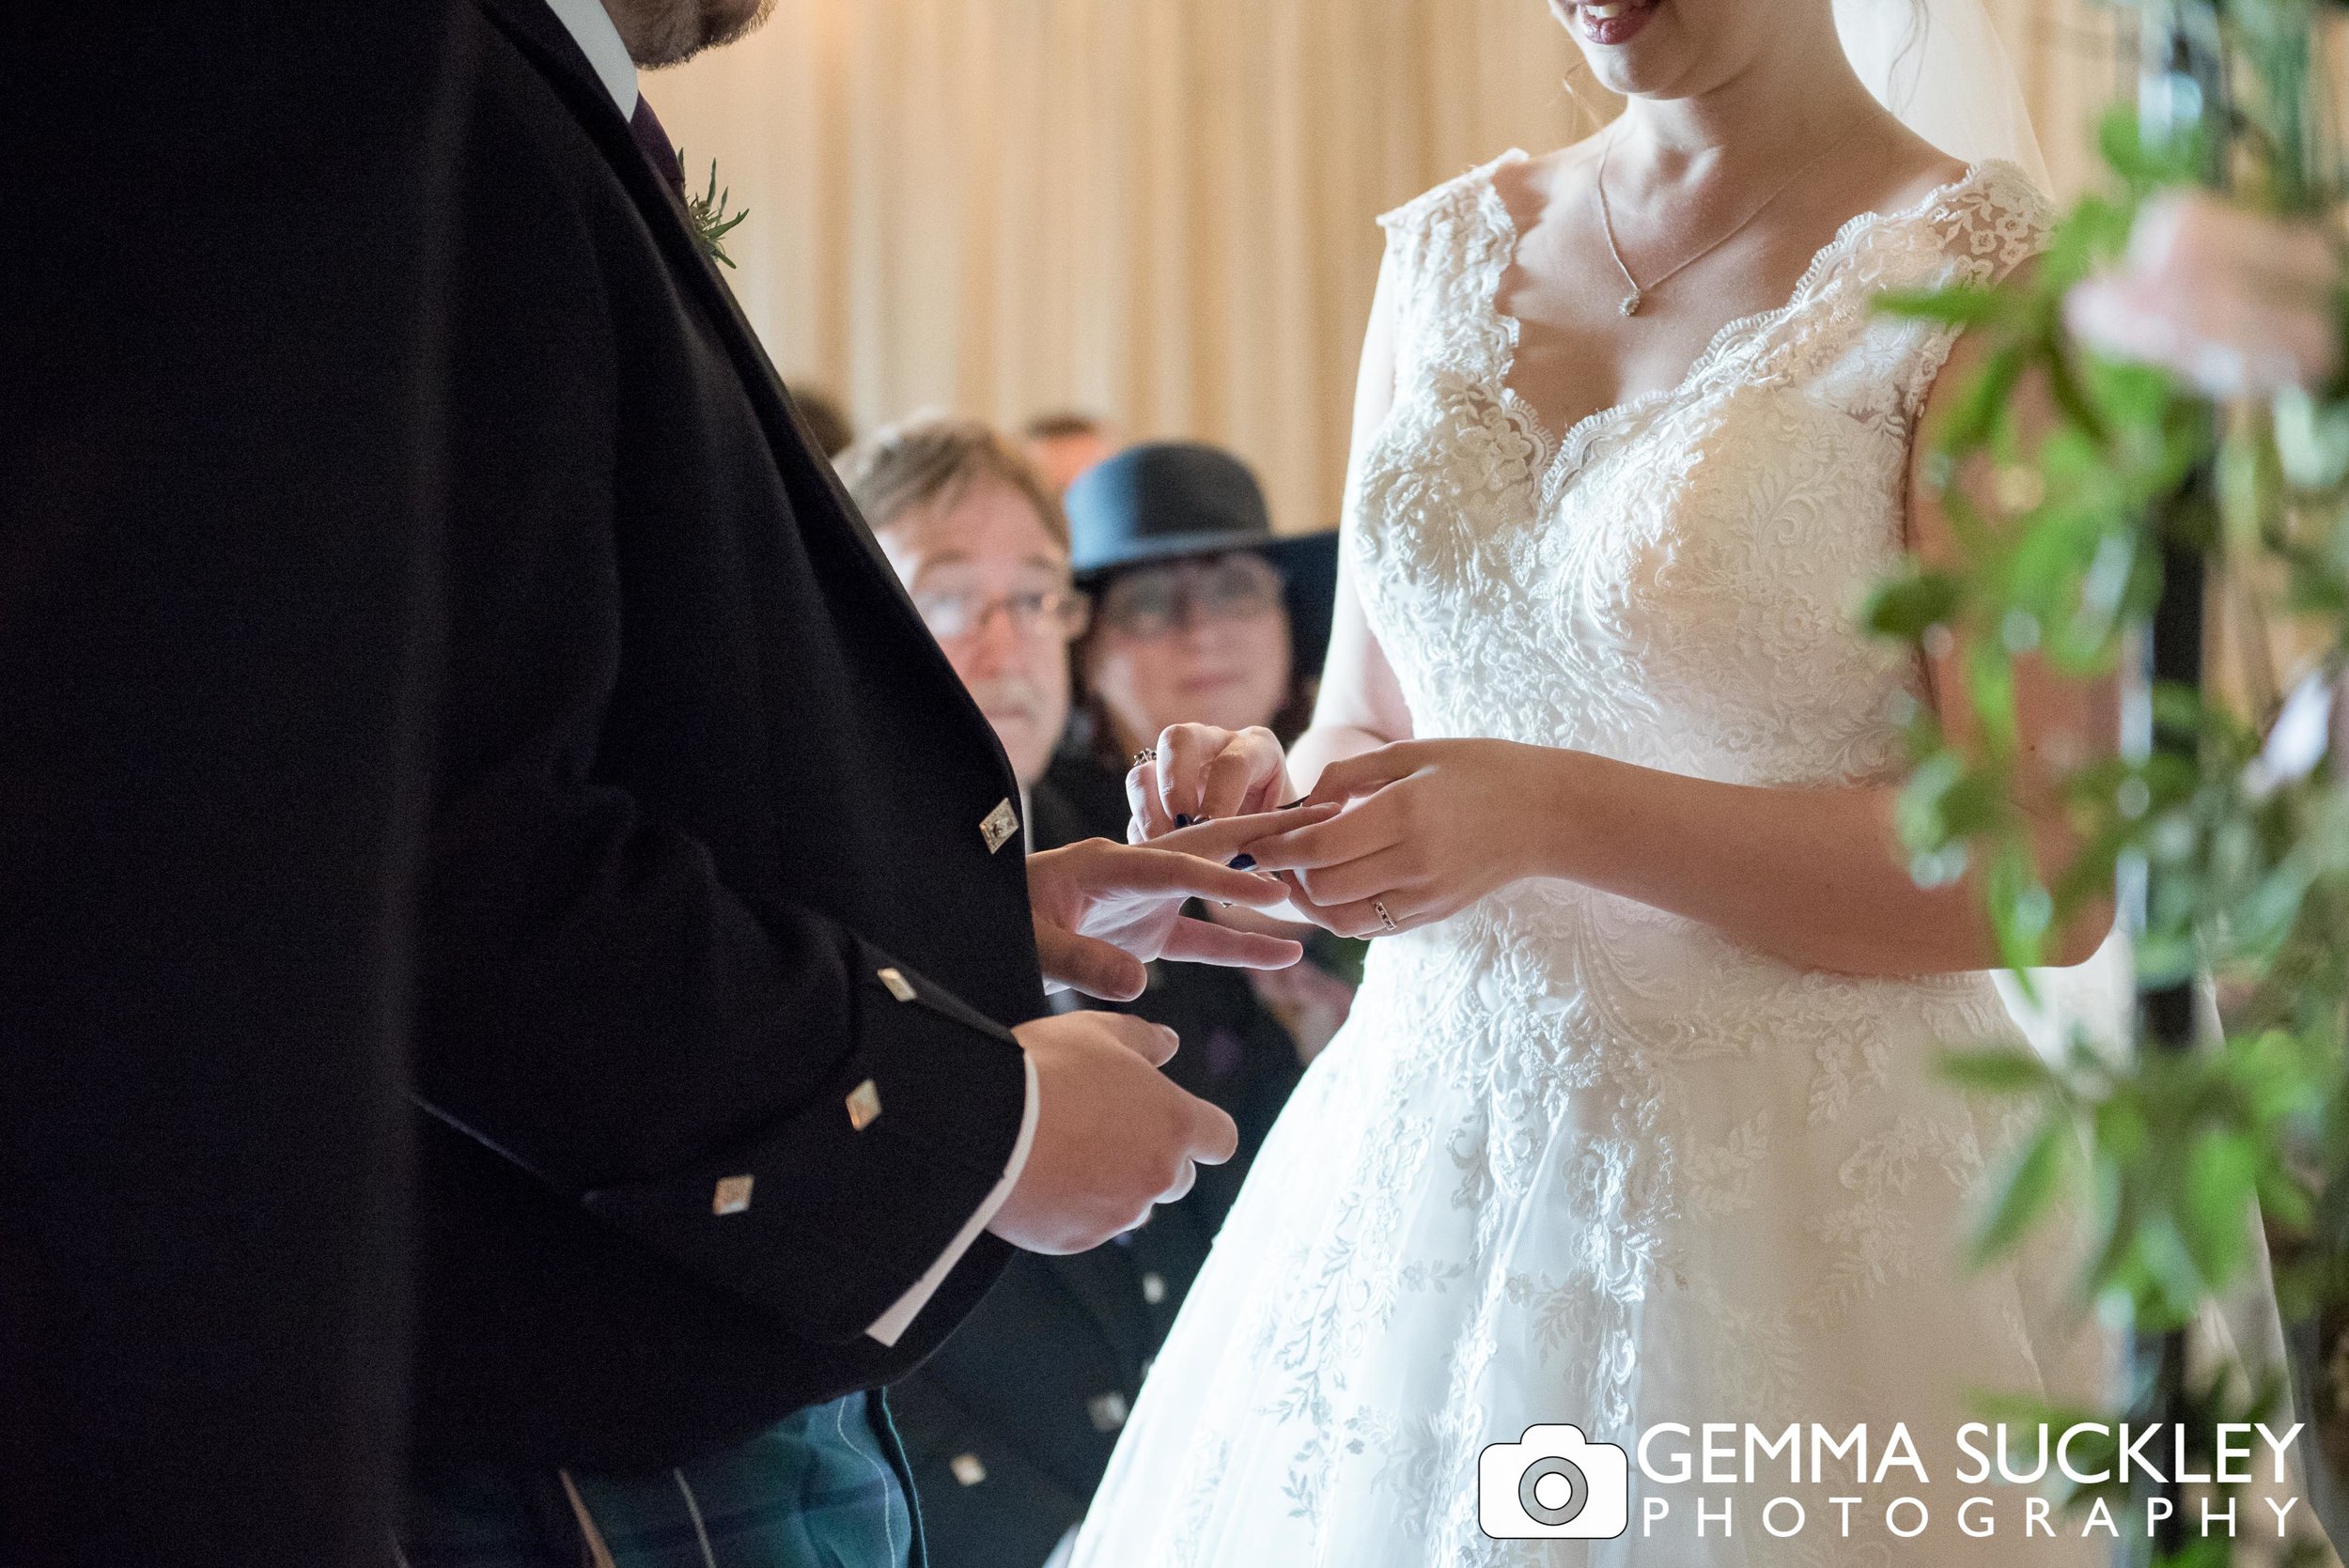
(1104, 910)
(1113, 1133)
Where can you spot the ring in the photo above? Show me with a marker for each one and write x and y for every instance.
(1148, 754)
(1378, 907)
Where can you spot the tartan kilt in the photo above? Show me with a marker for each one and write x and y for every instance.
(820, 1489)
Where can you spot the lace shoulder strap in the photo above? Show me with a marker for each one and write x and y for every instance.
(1987, 225)
(1976, 229)
(1446, 250)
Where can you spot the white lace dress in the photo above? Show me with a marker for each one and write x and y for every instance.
(1574, 1159)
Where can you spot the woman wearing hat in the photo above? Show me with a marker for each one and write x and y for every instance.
(1202, 615)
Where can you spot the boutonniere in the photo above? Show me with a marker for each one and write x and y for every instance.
(708, 211)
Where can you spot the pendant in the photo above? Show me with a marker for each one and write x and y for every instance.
(1631, 304)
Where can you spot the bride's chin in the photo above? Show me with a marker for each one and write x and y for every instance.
(1628, 44)
(1606, 25)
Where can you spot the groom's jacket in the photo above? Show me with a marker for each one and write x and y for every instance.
(718, 864)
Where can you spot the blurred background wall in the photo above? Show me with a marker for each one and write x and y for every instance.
(1160, 210)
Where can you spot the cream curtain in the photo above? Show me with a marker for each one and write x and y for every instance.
(1159, 209)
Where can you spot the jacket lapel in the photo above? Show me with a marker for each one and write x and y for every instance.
(535, 29)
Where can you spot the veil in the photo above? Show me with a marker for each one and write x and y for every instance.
(1940, 65)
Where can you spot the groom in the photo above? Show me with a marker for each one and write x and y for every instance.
(739, 1077)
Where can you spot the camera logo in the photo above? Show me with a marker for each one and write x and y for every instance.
(1554, 1484)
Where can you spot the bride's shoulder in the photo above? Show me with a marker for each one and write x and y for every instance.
(1991, 216)
(1464, 194)
(1932, 210)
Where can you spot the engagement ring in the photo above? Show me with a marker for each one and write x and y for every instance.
(1379, 906)
(1148, 754)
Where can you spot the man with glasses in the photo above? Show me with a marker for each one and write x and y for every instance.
(983, 548)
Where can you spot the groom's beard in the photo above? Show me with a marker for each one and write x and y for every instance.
(666, 32)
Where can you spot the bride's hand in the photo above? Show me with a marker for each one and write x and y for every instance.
(1200, 773)
(1432, 826)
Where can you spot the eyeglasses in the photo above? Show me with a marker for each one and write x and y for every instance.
(1058, 613)
(1151, 602)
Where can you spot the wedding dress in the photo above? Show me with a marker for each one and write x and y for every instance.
(1574, 1159)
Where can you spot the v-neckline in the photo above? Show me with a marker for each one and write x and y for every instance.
(1552, 450)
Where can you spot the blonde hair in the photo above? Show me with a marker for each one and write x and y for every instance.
(933, 456)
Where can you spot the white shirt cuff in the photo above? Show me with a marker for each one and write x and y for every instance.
(891, 1324)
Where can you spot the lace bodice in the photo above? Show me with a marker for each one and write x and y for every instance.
(1572, 1157)
(1674, 581)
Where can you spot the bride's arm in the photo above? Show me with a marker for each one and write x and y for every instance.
(1815, 876)
(1810, 876)
(1360, 706)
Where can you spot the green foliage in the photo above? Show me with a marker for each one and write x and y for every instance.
(2241, 861)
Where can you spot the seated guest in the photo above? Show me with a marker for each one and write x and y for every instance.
(1201, 614)
(1010, 1425)
(827, 421)
(1064, 444)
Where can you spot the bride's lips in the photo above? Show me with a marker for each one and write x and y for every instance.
(1613, 21)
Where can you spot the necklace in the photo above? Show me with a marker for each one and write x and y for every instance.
(1632, 300)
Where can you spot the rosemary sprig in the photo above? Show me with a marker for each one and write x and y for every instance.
(710, 223)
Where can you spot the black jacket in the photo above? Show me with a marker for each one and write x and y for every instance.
(711, 802)
(219, 410)
(1009, 1427)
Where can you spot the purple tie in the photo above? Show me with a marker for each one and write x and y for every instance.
(645, 127)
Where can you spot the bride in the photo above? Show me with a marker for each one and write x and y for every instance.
(1634, 1122)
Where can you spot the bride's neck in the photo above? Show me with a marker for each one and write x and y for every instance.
(1788, 100)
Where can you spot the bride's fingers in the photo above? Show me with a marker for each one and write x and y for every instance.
(1150, 818)
(1352, 881)
(1231, 775)
(1183, 753)
(1360, 917)
(1360, 775)
(1365, 830)
(1224, 838)
(1265, 795)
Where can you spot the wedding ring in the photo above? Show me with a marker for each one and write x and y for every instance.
(1378, 907)
(1148, 754)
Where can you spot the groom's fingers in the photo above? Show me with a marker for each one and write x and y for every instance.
(1099, 969)
(1126, 873)
(1153, 1042)
(1202, 942)
(1215, 1136)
